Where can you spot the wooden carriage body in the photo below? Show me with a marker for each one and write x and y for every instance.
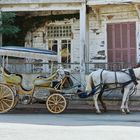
(11, 85)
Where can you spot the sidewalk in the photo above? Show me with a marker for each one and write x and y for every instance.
(85, 107)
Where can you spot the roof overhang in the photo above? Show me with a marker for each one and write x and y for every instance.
(111, 2)
(39, 1)
(21, 6)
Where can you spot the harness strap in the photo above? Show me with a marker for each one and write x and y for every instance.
(116, 80)
(101, 79)
(133, 77)
(102, 85)
(101, 76)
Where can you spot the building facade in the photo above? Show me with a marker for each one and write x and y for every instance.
(114, 31)
(102, 33)
(80, 31)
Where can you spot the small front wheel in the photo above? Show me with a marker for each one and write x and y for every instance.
(56, 103)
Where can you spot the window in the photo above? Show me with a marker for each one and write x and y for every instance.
(58, 31)
(53, 45)
(65, 51)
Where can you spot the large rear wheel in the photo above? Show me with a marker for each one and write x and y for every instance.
(7, 98)
(56, 103)
(15, 101)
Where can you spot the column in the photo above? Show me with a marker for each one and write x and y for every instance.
(82, 42)
(0, 25)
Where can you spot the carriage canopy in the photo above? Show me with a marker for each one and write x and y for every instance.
(22, 52)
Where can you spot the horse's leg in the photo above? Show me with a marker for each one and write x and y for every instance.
(126, 91)
(127, 100)
(126, 105)
(101, 101)
(95, 97)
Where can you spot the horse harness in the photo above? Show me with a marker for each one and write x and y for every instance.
(103, 86)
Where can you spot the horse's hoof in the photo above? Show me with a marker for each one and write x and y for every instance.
(123, 113)
(98, 112)
(127, 112)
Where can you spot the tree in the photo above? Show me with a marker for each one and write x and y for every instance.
(7, 26)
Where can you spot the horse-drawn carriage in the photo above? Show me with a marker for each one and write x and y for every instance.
(11, 87)
(59, 84)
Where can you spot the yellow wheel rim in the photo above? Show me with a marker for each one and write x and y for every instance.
(56, 103)
(6, 98)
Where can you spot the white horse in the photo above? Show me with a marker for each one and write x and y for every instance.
(101, 80)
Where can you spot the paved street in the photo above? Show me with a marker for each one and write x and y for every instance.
(73, 124)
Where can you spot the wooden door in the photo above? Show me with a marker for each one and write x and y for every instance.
(121, 42)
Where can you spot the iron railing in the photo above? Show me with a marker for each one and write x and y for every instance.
(36, 67)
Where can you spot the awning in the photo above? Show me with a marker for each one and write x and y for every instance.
(23, 52)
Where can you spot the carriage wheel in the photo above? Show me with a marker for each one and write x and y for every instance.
(6, 98)
(15, 101)
(56, 103)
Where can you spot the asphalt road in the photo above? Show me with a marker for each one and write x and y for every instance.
(71, 125)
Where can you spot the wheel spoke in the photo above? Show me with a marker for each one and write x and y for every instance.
(7, 95)
(9, 100)
(53, 106)
(61, 102)
(50, 101)
(5, 103)
(1, 93)
(1, 104)
(59, 108)
(50, 104)
(0, 89)
(5, 91)
(53, 98)
(59, 99)
(56, 97)
(61, 105)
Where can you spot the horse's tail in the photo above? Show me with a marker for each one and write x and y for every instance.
(90, 83)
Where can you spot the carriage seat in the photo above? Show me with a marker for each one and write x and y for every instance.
(11, 77)
(45, 81)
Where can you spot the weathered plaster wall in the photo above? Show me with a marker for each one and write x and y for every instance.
(99, 17)
(39, 39)
(76, 41)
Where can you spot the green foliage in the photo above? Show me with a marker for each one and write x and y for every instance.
(7, 27)
(35, 22)
(27, 23)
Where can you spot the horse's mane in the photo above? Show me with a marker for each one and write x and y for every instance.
(137, 65)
